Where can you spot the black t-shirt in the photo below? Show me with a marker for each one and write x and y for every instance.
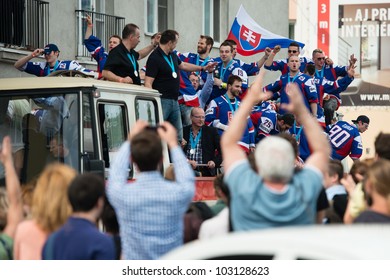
(119, 63)
(158, 68)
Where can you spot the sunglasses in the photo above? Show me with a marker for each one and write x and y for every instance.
(320, 58)
(292, 51)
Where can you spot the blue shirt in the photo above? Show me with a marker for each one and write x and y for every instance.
(255, 206)
(151, 210)
(79, 239)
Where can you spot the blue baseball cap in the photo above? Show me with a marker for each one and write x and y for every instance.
(49, 48)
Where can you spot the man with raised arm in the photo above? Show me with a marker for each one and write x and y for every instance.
(274, 196)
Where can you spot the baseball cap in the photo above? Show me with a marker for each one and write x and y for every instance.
(362, 118)
(287, 118)
(49, 48)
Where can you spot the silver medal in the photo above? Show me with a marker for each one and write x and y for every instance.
(192, 151)
(136, 73)
(174, 75)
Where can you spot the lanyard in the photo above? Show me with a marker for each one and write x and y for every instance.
(293, 80)
(297, 135)
(223, 69)
(195, 141)
(132, 60)
(48, 71)
(203, 63)
(318, 75)
(230, 104)
(170, 63)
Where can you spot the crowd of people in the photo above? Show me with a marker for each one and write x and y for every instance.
(279, 148)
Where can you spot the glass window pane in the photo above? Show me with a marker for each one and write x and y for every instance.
(216, 31)
(207, 18)
(162, 15)
(146, 110)
(150, 15)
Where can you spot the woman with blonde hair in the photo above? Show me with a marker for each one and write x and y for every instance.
(50, 209)
(377, 187)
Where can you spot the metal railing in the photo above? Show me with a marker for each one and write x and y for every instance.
(103, 27)
(24, 23)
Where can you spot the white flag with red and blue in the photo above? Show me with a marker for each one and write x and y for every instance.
(251, 38)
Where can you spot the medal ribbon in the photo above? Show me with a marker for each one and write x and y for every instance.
(170, 63)
(297, 135)
(195, 141)
(133, 62)
(230, 104)
(203, 63)
(223, 69)
(48, 71)
(293, 79)
(318, 75)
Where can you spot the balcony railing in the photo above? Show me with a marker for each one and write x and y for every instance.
(24, 23)
(103, 27)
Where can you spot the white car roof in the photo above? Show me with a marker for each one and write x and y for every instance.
(67, 82)
(334, 242)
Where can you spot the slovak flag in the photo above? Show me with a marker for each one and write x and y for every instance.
(251, 38)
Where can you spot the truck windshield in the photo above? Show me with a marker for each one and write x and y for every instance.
(43, 129)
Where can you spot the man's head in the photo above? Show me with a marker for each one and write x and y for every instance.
(205, 44)
(318, 58)
(169, 38)
(51, 53)
(234, 86)
(294, 64)
(382, 145)
(197, 117)
(275, 159)
(310, 70)
(195, 80)
(146, 150)
(234, 46)
(362, 123)
(293, 49)
(226, 52)
(285, 122)
(114, 41)
(85, 191)
(335, 173)
(131, 34)
(221, 189)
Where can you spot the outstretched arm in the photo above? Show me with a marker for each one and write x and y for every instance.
(271, 56)
(230, 150)
(314, 133)
(14, 193)
(22, 61)
(88, 31)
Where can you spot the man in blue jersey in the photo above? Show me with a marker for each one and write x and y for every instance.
(225, 68)
(222, 109)
(95, 47)
(345, 138)
(282, 64)
(52, 64)
(305, 83)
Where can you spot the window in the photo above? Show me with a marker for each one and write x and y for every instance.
(43, 129)
(146, 109)
(212, 19)
(156, 15)
(113, 129)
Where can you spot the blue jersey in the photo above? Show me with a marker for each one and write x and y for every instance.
(331, 73)
(298, 133)
(219, 114)
(251, 69)
(42, 69)
(345, 140)
(332, 88)
(95, 47)
(194, 58)
(224, 73)
(305, 83)
(282, 65)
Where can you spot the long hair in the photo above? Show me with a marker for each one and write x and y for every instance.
(50, 205)
(379, 176)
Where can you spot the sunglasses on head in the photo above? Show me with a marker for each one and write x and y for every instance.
(292, 51)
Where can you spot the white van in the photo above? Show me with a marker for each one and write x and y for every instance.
(80, 122)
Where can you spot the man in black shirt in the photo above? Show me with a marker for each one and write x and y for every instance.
(162, 74)
(122, 61)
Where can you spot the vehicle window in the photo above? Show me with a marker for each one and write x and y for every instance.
(113, 127)
(146, 109)
(42, 130)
